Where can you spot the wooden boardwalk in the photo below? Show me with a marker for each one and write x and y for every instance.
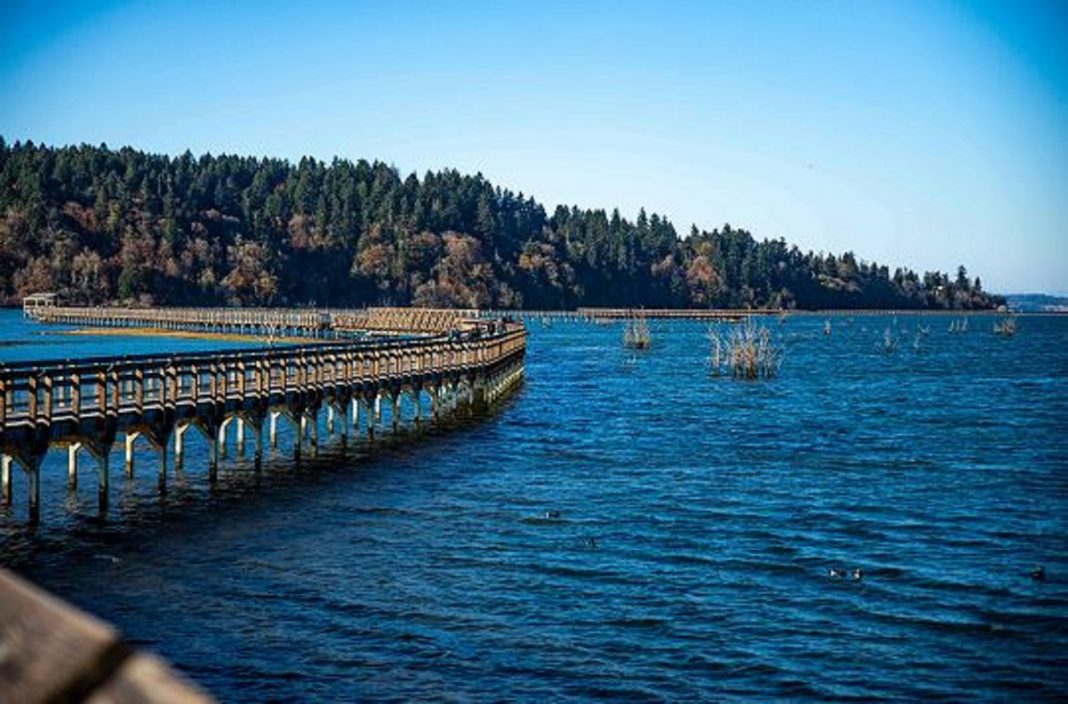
(668, 313)
(590, 314)
(85, 406)
(266, 322)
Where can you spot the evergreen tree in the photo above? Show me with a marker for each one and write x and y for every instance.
(97, 224)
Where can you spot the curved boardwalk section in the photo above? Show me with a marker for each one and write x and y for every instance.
(86, 407)
(280, 322)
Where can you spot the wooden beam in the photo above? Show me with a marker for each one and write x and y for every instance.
(51, 652)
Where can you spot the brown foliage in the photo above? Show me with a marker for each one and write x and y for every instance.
(702, 279)
(250, 280)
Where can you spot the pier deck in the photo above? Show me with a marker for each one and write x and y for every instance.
(85, 406)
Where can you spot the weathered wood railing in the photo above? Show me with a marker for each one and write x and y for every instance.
(54, 653)
(402, 320)
(260, 321)
(668, 313)
(84, 404)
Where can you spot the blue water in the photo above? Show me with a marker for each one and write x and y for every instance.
(22, 340)
(698, 517)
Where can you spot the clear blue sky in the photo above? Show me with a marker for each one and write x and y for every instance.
(925, 133)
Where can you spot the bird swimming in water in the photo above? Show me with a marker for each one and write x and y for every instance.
(591, 542)
(858, 574)
(552, 514)
(835, 573)
(1038, 574)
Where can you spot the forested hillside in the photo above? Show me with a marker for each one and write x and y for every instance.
(101, 225)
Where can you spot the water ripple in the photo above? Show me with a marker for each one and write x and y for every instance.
(624, 529)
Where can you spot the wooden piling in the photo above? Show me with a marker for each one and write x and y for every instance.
(42, 404)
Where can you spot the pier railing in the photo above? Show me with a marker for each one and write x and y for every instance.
(252, 319)
(260, 321)
(669, 313)
(402, 320)
(85, 404)
(45, 392)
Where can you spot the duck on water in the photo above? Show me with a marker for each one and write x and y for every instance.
(838, 573)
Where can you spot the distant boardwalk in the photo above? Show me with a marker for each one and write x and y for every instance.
(85, 406)
(714, 314)
(625, 313)
(670, 313)
(280, 322)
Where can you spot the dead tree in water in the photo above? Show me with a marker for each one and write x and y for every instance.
(1006, 327)
(636, 334)
(889, 341)
(747, 352)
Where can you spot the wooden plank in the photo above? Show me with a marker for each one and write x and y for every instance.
(46, 647)
(51, 652)
(144, 678)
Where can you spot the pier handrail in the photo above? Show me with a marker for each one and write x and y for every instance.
(306, 321)
(46, 392)
(459, 363)
(246, 352)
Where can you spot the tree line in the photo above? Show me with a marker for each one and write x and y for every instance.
(100, 225)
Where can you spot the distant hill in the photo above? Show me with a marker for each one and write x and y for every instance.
(1036, 302)
(100, 225)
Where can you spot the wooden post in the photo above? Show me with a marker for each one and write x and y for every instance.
(179, 444)
(5, 478)
(139, 390)
(72, 466)
(76, 395)
(170, 386)
(48, 397)
(101, 393)
(221, 439)
(31, 385)
(131, 438)
(116, 393)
